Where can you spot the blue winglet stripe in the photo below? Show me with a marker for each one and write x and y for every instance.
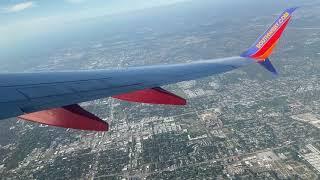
(268, 65)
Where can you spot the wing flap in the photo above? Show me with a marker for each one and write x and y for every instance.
(153, 96)
(72, 116)
(44, 91)
(11, 94)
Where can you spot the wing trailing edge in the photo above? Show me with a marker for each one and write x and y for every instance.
(75, 117)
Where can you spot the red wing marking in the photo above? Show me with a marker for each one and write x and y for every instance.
(72, 116)
(153, 96)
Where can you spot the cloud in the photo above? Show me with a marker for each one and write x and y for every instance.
(19, 7)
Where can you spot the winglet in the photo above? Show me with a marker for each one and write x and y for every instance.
(266, 43)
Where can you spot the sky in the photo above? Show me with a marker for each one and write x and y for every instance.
(24, 11)
(28, 18)
(26, 14)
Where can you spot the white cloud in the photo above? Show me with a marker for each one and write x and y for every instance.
(19, 7)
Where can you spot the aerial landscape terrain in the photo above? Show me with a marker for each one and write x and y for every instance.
(244, 124)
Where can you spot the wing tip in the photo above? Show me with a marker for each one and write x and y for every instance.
(265, 44)
(292, 9)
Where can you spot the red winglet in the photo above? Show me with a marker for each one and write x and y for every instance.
(72, 116)
(153, 96)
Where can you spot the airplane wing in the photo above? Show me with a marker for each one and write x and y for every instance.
(26, 93)
(52, 97)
